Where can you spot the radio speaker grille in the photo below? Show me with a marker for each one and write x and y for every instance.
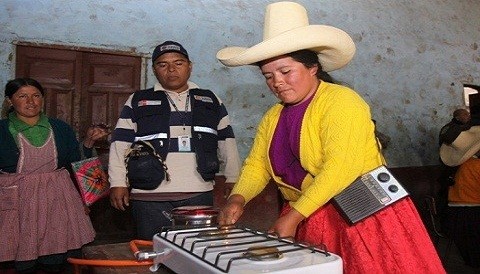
(368, 194)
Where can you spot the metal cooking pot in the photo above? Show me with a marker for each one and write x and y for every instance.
(192, 216)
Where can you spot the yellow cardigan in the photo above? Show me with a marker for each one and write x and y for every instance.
(337, 144)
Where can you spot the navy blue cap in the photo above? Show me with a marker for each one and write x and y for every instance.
(168, 46)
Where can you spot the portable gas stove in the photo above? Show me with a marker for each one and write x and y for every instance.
(239, 250)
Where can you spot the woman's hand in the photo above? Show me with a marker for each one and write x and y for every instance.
(232, 211)
(286, 225)
(119, 197)
(94, 133)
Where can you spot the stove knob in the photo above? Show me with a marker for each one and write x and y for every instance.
(393, 188)
(383, 177)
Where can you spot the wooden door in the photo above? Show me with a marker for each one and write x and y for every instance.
(82, 87)
(58, 71)
(107, 81)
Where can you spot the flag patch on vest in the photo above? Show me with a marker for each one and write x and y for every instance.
(142, 103)
(203, 98)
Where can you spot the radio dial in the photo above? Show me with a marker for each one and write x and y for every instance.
(383, 177)
(393, 188)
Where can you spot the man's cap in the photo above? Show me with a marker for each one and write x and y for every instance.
(168, 46)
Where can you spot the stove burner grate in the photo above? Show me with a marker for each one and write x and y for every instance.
(233, 243)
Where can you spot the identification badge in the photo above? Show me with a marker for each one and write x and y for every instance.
(143, 103)
(203, 98)
(183, 143)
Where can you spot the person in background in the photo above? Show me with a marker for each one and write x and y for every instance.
(461, 219)
(460, 121)
(315, 142)
(194, 125)
(42, 218)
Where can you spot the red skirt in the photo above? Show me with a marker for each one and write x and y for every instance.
(394, 240)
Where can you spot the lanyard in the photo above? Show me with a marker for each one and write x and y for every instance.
(184, 115)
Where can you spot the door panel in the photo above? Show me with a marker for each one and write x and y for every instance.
(59, 103)
(82, 87)
(98, 101)
(118, 100)
(56, 70)
(108, 80)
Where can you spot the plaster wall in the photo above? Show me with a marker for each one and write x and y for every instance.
(412, 55)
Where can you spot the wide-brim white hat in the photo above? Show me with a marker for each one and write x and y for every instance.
(462, 148)
(286, 29)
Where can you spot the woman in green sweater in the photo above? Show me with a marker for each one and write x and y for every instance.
(46, 219)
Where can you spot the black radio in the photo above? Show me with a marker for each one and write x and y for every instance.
(368, 194)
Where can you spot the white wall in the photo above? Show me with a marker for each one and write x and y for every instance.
(412, 55)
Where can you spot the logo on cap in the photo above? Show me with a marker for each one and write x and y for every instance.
(170, 47)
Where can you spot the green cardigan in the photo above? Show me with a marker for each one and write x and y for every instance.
(65, 139)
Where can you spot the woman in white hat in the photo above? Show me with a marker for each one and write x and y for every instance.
(316, 142)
